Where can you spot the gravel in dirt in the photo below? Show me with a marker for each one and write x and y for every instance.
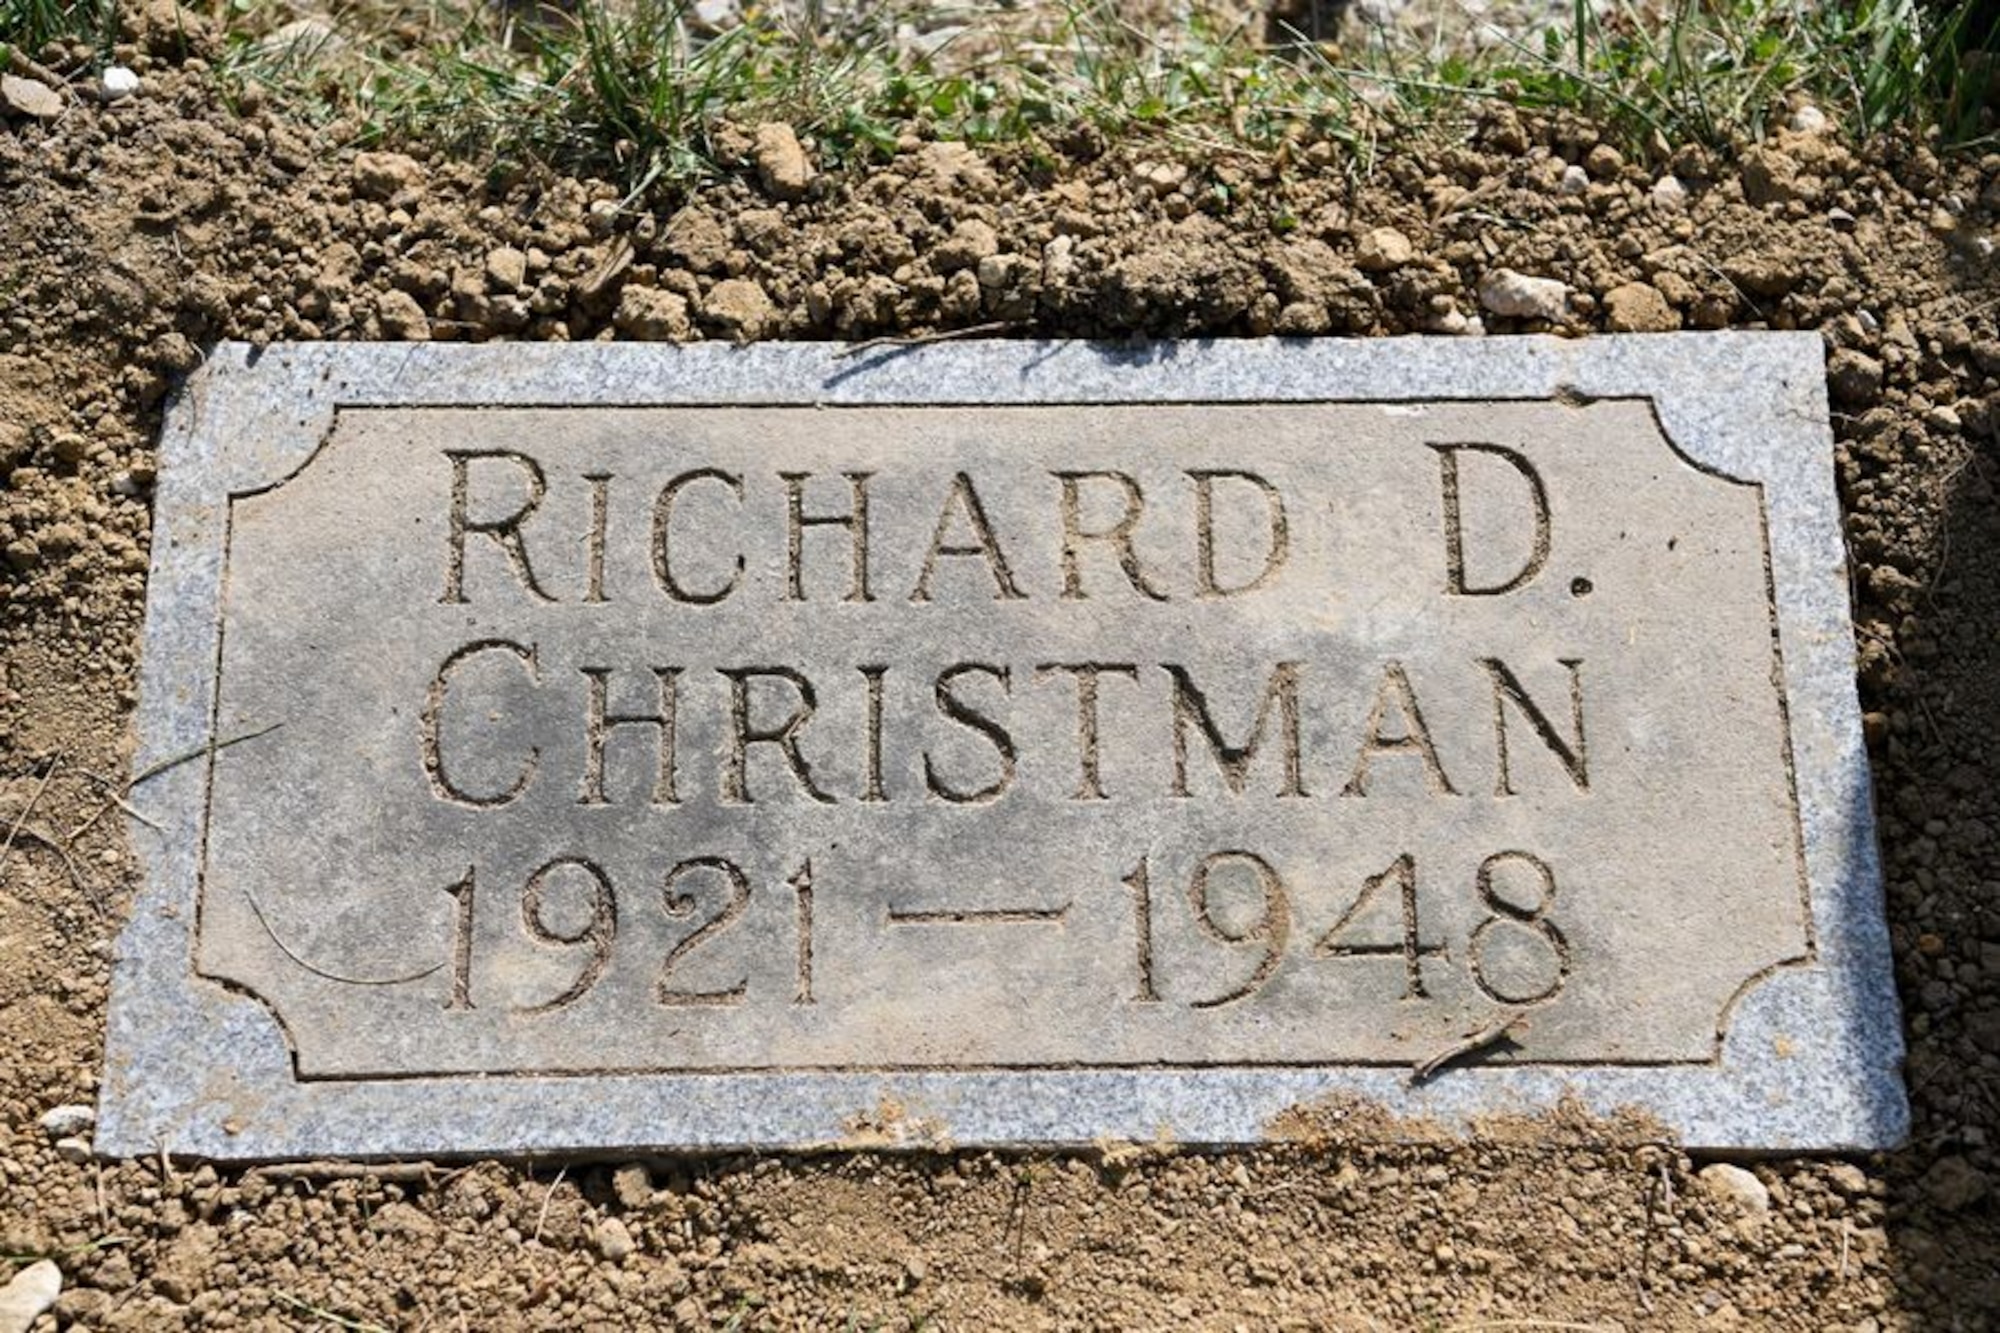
(29, 97)
(134, 233)
(28, 1295)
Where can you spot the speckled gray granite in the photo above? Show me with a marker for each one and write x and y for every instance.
(615, 747)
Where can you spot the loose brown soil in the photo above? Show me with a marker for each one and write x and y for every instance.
(132, 236)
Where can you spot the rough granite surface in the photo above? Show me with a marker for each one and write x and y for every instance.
(909, 887)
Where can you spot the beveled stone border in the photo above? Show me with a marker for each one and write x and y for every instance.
(1812, 1057)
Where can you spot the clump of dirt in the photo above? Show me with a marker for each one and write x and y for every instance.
(134, 234)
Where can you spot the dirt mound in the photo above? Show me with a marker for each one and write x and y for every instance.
(136, 233)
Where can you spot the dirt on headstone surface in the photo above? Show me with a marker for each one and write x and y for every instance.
(134, 234)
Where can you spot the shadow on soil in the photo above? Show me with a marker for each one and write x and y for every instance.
(1934, 704)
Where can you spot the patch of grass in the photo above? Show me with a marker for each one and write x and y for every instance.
(635, 90)
(1715, 72)
(1201, 84)
(29, 25)
(630, 89)
(1902, 63)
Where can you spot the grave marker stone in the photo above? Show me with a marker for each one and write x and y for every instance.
(625, 747)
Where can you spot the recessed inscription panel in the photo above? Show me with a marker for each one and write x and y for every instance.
(863, 738)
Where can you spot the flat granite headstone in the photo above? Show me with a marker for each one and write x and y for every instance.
(553, 749)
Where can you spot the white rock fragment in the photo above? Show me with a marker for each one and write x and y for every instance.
(119, 83)
(1809, 119)
(1575, 180)
(1736, 1186)
(1518, 296)
(1059, 261)
(61, 1122)
(29, 1296)
(74, 1151)
(1669, 193)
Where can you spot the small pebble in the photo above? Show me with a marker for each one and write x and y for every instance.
(29, 97)
(65, 1121)
(119, 83)
(1734, 1185)
(1518, 296)
(31, 1294)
